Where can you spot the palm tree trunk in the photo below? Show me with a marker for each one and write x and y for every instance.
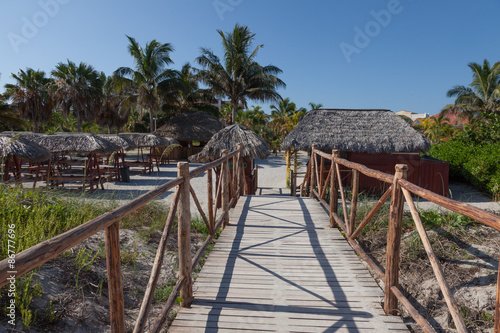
(233, 112)
(151, 122)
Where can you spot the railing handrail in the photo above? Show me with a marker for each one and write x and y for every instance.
(400, 191)
(42, 252)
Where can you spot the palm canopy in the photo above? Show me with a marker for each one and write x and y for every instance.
(30, 96)
(238, 76)
(150, 75)
(483, 93)
(77, 89)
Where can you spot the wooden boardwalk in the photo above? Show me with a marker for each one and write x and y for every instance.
(279, 268)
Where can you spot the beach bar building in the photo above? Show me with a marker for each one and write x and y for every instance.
(193, 129)
(378, 139)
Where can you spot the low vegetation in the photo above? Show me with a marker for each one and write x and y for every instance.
(86, 262)
(466, 250)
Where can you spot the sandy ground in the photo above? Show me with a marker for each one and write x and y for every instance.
(271, 179)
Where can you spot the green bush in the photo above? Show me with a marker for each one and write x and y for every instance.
(478, 165)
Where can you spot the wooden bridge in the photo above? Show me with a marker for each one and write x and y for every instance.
(279, 267)
(280, 264)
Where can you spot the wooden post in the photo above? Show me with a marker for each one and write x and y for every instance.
(115, 285)
(354, 202)
(288, 165)
(320, 179)
(184, 234)
(241, 170)
(234, 184)
(394, 241)
(225, 187)
(210, 200)
(313, 170)
(497, 305)
(292, 183)
(335, 154)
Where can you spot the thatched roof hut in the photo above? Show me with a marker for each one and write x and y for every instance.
(367, 131)
(81, 143)
(120, 141)
(190, 126)
(228, 138)
(23, 148)
(148, 139)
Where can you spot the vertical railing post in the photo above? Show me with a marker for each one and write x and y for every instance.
(293, 183)
(320, 180)
(394, 241)
(239, 172)
(234, 184)
(115, 285)
(211, 220)
(313, 170)
(184, 235)
(354, 202)
(225, 187)
(334, 191)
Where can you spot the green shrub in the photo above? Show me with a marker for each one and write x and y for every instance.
(478, 165)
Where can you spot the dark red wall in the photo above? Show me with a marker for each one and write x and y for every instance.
(427, 173)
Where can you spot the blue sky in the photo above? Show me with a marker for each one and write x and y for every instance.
(398, 55)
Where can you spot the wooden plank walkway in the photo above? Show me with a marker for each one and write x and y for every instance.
(279, 268)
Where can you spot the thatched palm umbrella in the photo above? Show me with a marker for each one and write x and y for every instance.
(188, 127)
(18, 147)
(81, 143)
(368, 131)
(142, 140)
(191, 126)
(120, 141)
(228, 138)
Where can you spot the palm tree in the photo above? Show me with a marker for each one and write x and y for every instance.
(30, 96)
(281, 116)
(77, 89)
(114, 111)
(9, 117)
(483, 95)
(315, 106)
(150, 76)
(239, 77)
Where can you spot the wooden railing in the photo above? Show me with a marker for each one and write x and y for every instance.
(229, 188)
(399, 191)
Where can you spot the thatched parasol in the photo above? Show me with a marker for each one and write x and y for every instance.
(81, 143)
(148, 140)
(23, 148)
(370, 131)
(228, 138)
(120, 141)
(191, 125)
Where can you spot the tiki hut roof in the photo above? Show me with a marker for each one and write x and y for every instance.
(32, 136)
(370, 131)
(228, 138)
(120, 141)
(148, 139)
(23, 148)
(191, 125)
(82, 143)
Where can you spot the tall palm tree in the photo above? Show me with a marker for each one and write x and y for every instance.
(30, 96)
(114, 111)
(281, 116)
(483, 94)
(238, 76)
(150, 75)
(77, 89)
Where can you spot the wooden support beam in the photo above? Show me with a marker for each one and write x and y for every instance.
(240, 175)
(436, 266)
(225, 186)
(140, 324)
(334, 191)
(210, 200)
(372, 212)
(115, 284)
(394, 241)
(184, 235)
(354, 201)
(312, 162)
(342, 196)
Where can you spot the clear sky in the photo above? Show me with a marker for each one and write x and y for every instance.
(390, 54)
